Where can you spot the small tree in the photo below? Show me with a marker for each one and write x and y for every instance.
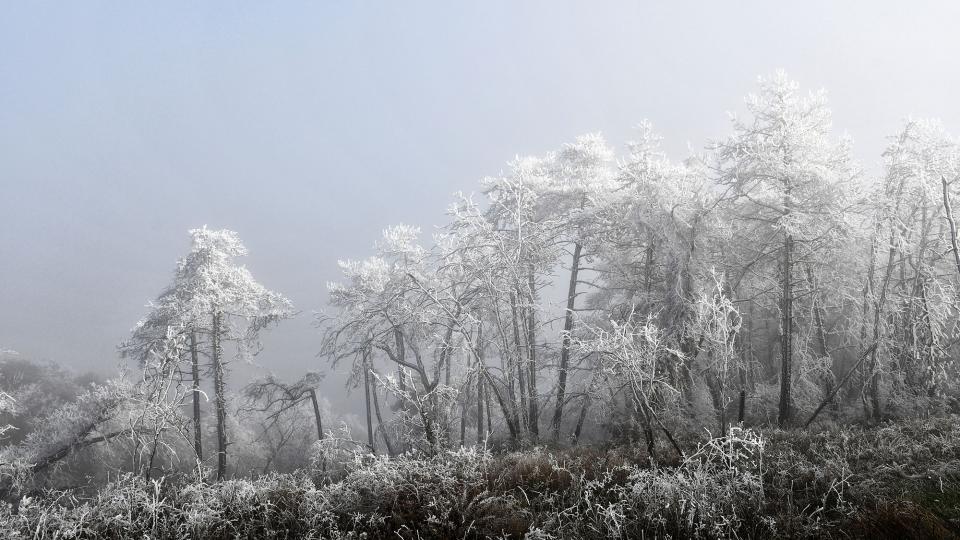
(717, 324)
(274, 397)
(632, 356)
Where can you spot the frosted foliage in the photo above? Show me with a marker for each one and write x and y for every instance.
(401, 240)
(216, 283)
(208, 281)
(7, 406)
(785, 164)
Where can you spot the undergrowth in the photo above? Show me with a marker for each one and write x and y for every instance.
(894, 481)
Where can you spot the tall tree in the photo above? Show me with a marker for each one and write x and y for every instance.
(211, 295)
(786, 178)
(580, 173)
(911, 297)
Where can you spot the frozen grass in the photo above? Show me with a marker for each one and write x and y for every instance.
(896, 481)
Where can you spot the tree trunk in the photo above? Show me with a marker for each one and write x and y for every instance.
(486, 402)
(786, 332)
(520, 345)
(821, 331)
(580, 419)
(153, 456)
(840, 384)
(714, 386)
(463, 412)
(195, 372)
(316, 414)
(220, 399)
(532, 360)
(376, 408)
(366, 389)
(878, 309)
(565, 348)
(481, 436)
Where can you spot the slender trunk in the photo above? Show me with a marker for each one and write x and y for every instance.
(580, 419)
(821, 332)
(220, 399)
(840, 384)
(878, 309)
(786, 327)
(429, 432)
(463, 413)
(510, 414)
(479, 354)
(446, 378)
(481, 435)
(689, 347)
(519, 345)
(486, 402)
(466, 395)
(376, 409)
(874, 381)
(587, 401)
(534, 398)
(716, 396)
(565, 348)
(818, 317)
(153, 456)
(512, 420)
(747, 373)
(195, 373)
(316, 414)
(868, 289)
(446, 355)
(366, 390)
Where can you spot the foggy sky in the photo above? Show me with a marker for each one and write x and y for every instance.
(310, 127)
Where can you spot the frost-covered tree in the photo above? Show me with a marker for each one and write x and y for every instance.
(210, 296)
(288, 418)
(717, 323)
(787, 181)
(97, 415)
(631, 355)
(37, 389)
(274, 397)
(657, 231)
(394, 306)
(910, 290)
(580, 175)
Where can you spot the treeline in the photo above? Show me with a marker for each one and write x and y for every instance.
(768, 278)
(583, 294)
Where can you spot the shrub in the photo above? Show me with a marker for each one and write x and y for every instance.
(895, 481)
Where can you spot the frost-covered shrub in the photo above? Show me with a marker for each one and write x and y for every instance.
(716, 493)
(796, 484)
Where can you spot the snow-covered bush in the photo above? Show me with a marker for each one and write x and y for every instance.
(745, 484)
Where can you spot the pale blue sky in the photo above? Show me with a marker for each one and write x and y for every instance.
(308, 127)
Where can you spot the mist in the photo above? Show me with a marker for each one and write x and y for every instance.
(319, 132)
